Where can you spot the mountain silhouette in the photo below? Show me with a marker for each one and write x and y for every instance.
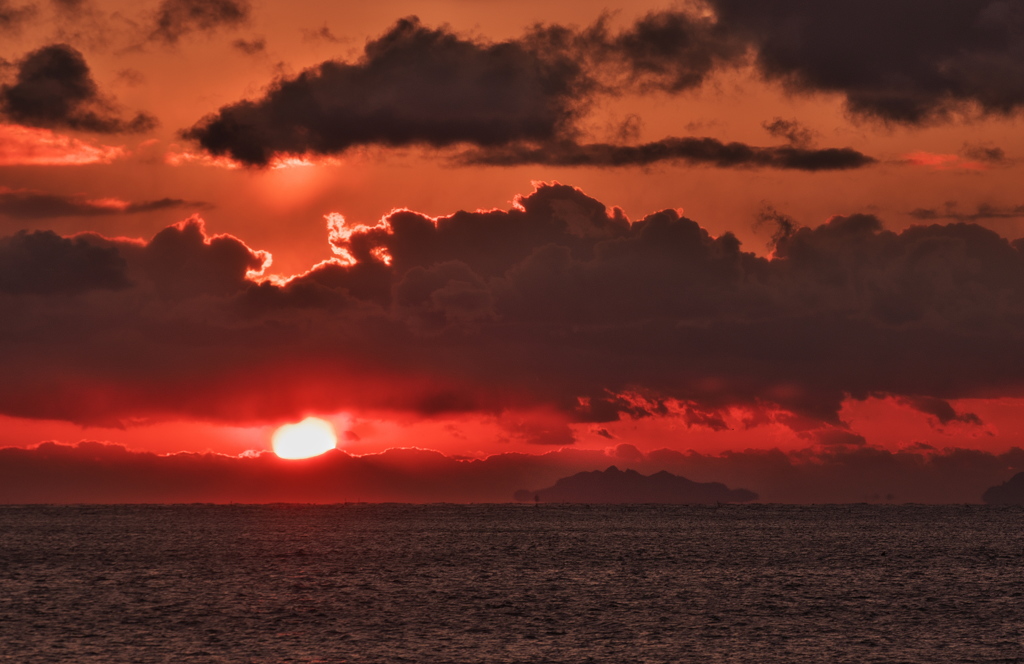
(1010, 492)
(629, 486)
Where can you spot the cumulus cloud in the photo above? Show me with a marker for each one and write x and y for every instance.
(27, 204)
(44, 263)
(516, 102)
(177, 18)
(54, 88)
(912, 62)
(559, 307)
(413, 85)
(91, 472)
(667, 51)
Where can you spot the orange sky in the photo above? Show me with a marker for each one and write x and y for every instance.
(371, 371)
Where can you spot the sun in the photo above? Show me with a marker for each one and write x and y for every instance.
(309, 438)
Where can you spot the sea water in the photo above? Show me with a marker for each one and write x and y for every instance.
(511, 583)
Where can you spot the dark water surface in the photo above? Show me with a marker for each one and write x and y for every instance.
(507, 583)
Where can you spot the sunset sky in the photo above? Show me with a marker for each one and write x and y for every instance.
(566, 234)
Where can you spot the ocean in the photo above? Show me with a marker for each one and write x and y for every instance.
(511, 583)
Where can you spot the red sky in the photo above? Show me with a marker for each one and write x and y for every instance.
(517, 227)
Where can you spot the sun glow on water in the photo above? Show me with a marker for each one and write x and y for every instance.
(309, 438)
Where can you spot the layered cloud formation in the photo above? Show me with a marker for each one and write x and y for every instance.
(558, 305)
(27, 204)
(519, 101)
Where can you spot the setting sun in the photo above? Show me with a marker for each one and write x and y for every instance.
(309, 438)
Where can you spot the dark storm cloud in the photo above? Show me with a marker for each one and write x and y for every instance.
(558, 307)
(38, 205)
(909, 62)
(697, 151)
(177, 18)
(413, 85)
(55, 89)
(92, 472)
(44, 263)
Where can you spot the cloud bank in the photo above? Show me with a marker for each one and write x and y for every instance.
(559, 305)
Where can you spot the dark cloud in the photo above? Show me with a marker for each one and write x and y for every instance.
(835, 438)
(795, 133)
(982, 212)
(183, 261)
(911, 62)
(251, 46)
(697, 151)
(784, 225)
(92, 472)
(177, 18)
(517, 102)
(559, 307)
(44, 263)
(23, 204)
(55, 89)
(989, 154)
(13, 17)
(414, 85)
(324, 33)
(668, 51)
(940, 409)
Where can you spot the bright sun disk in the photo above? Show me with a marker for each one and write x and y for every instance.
(309, 438)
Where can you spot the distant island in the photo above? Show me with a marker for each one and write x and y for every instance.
(629, 486)
(1010, 492)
